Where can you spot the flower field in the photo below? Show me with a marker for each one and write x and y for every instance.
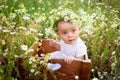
(23, 22)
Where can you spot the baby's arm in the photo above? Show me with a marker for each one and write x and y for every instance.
(55, 44)
(69, 59)
(80, 58)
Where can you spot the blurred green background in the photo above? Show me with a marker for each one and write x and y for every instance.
(22, 22)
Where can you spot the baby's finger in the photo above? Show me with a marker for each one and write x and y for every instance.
(68, 60)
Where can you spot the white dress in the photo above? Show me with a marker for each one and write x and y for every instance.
(76, 50)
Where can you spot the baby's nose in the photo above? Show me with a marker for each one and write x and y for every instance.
(70, 34)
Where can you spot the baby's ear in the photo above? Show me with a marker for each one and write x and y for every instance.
(79, 28)
(58, 33)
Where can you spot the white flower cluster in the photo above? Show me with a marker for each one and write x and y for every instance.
(32, 61)
(63, 14)
(37, 63)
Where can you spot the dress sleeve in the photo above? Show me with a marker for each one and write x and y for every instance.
(81, 49)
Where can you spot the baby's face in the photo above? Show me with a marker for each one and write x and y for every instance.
(68, 32)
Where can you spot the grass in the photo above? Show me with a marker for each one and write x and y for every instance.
(22, 22)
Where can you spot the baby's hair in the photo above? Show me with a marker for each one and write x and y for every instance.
(56, 23)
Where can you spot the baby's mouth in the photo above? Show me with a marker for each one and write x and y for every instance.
(71, 40)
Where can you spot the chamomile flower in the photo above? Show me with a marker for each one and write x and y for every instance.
(32, 70)
(95, 79)
(24, 47)
(76, 77)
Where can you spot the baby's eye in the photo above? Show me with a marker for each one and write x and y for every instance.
(73, 30)
(64, 33)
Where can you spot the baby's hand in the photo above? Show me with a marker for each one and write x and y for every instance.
(55, 44)
(69, 59)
